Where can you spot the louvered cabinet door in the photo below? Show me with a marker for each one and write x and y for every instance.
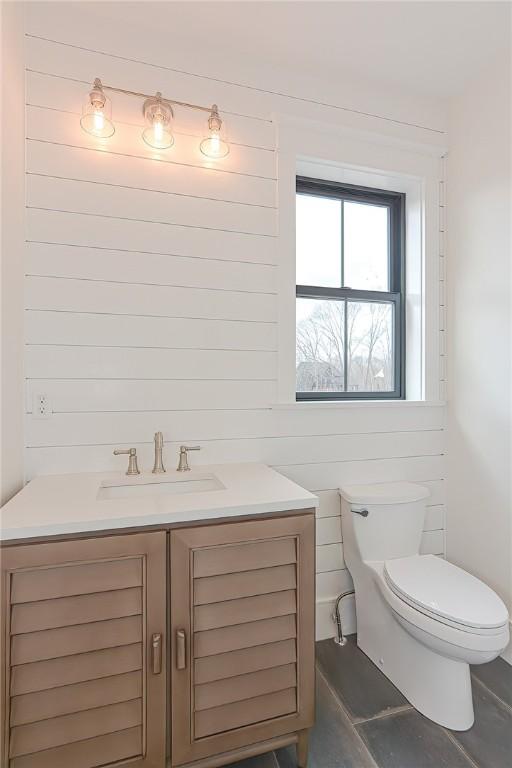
(242, 634)
(83, 662)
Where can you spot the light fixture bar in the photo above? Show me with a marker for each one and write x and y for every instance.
(151, 96)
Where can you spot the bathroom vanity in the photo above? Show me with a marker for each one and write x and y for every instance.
(150, 623)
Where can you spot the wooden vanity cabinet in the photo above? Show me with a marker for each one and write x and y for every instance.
(85, 646)
(242, 637)
(84, 663)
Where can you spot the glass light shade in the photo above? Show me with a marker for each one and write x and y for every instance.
(158, 137)
(157, 133)
(214, 145)
(97, 114)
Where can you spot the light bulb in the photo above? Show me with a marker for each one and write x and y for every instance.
(99, 120)
(158, 130)
(158, 116)
(213, 145)
(96, 113)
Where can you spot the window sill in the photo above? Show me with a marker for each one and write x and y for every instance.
(341, 404)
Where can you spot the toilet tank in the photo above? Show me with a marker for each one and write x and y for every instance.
(394, 523)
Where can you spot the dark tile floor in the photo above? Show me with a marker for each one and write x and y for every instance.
(363, 721)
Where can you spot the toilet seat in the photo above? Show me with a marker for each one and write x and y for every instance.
(446, 593)
(468, 640)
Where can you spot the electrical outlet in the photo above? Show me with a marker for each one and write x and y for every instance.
(41, 408)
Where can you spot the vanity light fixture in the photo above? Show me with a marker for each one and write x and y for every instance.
(97, 113)
(214, 145)
(158, 115)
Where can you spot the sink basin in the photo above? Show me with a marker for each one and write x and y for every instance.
(143, 487)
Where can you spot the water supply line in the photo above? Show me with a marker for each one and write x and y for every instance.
(340, 639)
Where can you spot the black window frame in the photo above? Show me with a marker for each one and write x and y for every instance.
(395, 201)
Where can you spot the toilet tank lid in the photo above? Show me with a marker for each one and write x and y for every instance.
(383, 493)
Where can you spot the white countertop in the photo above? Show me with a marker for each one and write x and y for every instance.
(52, 505)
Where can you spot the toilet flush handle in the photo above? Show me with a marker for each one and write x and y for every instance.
(362, 512)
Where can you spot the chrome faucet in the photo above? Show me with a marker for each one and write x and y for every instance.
(183, 462)
(158, 467)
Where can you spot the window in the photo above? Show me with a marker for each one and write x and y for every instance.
(350, 296)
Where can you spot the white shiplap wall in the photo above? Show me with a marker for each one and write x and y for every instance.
(151, 298)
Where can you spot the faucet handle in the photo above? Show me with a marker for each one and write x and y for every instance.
(183, 462)
(133, 467)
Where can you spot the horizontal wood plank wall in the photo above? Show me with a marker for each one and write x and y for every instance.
(151, 296)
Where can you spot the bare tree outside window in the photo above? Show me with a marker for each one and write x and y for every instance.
(347, 336)
(320, 348)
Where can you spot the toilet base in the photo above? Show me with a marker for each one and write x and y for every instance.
(437, 686)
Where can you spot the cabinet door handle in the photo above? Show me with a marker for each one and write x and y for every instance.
(181, 654)
(156, 653)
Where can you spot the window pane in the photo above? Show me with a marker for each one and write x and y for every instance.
(366, 246)
(370, 347)
(320, 334)
(318, 241)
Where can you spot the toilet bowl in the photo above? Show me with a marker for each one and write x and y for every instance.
(420, 619)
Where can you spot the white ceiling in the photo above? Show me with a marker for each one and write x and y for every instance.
(433, 48)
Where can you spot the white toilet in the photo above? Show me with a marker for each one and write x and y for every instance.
(420, 619)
